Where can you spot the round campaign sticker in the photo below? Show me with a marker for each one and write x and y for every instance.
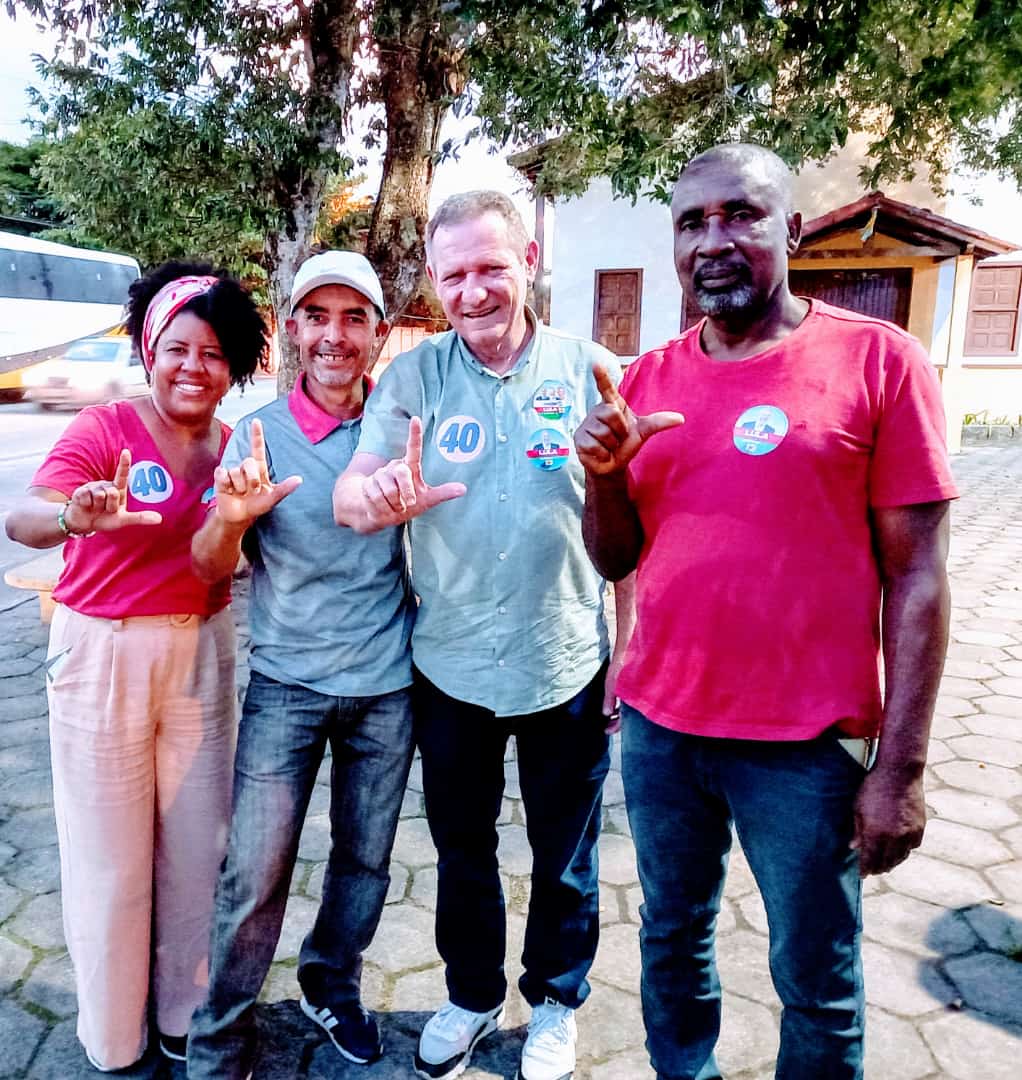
(760, 430)
(548, 449)
(460, 438)
(149, 482)
(207, 496)
(551, 400)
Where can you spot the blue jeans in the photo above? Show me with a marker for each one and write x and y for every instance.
(563, 757)
(792, 807)
(281, 742)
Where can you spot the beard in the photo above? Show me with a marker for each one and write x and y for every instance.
(739, 298)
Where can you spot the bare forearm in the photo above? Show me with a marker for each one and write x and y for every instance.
(216, 548)
(33, 522)
(624, 612)
(915, 634)
(610, 526)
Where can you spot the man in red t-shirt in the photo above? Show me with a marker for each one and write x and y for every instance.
(794, 526)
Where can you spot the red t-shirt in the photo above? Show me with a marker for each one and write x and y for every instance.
(758, 593)
(141, 569)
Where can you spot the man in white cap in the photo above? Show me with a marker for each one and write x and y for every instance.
(330, 617)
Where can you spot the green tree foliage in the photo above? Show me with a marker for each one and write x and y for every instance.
(221, 128)
(213, 123)
(21, 193)
(632, 89)
(147, 182)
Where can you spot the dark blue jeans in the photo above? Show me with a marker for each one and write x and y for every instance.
(281, 742)
(563, 757)
(792, 807)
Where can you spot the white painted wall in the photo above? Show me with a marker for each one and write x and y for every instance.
(597, 232)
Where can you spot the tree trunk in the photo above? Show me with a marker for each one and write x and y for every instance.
(420, 71)
(330, 40)
(286, 250)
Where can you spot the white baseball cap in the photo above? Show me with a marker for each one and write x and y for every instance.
(338, 268)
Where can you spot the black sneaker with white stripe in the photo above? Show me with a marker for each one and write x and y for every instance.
(352, 1030)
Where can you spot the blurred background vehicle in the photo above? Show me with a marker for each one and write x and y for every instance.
(51, 295)
(11, 385)
(91, 371)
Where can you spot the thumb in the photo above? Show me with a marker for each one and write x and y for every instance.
(442, 493)
(284, 488)
(657, 422)
(141, 517)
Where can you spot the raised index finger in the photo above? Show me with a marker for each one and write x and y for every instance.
(608, 391)
(413, 451)
(258, 444)
(122, 471)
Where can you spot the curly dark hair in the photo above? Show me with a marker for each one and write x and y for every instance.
(227, 307)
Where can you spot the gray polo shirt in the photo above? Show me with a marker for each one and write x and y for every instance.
(329, 609)
(511, 609)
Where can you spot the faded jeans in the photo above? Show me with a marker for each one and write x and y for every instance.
(792, 807)
(281, 742)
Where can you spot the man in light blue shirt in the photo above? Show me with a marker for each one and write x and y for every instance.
(330, 616)
(510, 638)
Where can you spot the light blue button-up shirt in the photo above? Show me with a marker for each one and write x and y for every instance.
(511, 609)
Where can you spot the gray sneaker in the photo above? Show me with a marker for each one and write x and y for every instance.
(449, 1037)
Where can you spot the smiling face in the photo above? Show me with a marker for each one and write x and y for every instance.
(336, 330)
(733, 235)
(482, 277)
(190, 373)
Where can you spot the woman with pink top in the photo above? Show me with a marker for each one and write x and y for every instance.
(140, 669)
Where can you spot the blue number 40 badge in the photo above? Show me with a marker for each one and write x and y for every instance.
(149, 482)
(460, 438)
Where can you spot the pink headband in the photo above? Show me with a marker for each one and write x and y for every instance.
(165, 305)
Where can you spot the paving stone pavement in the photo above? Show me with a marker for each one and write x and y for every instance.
(943, 932)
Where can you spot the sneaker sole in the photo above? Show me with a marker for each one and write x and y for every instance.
(565, 1076)
(310, 1012)
(456, 1070)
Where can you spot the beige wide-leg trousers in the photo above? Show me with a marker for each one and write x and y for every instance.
(142, 731)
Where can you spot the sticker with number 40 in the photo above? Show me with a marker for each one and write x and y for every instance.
(460, 438)
(149, 482)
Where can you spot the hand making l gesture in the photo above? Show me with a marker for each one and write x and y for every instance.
(396, 492)
(99, 506)
(246, 492)
(611, 435)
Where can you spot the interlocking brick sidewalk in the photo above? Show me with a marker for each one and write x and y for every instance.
(943, 948)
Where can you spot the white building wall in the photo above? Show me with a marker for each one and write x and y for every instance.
(597, 232)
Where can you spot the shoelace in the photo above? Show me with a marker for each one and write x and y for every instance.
(550, 1021)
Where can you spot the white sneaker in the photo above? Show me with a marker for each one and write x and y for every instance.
(449, 1037)
(549, 1050)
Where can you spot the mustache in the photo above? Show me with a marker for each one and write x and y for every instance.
(739, 269)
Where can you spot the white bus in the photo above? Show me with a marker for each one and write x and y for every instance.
(51, 295)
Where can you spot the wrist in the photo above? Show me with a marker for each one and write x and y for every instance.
(900, 774)
(230, 527)
(68, 526)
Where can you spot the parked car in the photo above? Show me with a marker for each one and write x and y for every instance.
(92, 370)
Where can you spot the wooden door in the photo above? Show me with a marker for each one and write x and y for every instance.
(617, 308)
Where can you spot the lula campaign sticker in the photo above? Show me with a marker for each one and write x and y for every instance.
(460, 438)
(760, 430)
(548, 449)
(149, 482)
(551, 400)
